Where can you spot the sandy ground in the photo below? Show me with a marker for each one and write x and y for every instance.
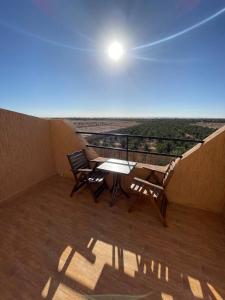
(102, 126)
(210, 124)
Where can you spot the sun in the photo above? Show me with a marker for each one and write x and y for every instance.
(115, 51)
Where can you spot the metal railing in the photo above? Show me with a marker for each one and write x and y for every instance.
(127, 136)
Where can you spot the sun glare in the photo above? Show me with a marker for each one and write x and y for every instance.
(115, 51)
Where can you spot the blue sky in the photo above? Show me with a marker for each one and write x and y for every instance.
(53, 60)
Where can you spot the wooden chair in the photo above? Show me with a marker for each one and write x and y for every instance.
(155, 192)
(84, 174)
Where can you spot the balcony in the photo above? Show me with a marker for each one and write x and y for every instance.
(57, 247)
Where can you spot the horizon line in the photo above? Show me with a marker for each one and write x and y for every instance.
(38, 115)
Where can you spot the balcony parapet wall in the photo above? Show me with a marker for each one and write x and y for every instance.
(25, 152)
(65, 140)
(32, 150)
(199, 177)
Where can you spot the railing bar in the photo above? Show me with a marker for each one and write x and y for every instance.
(106, 147)
(154, 153)
(134, 151)
(141, 136)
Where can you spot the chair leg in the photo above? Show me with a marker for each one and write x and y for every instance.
(97, 192)
(92, 192)
(164, 207)
(76, 187)
(73, 190)
(160, 211)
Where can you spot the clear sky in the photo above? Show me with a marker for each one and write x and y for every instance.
(53, 58)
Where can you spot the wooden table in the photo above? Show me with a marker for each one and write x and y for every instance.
(117, 167)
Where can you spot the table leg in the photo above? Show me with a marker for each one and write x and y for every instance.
(116, 188)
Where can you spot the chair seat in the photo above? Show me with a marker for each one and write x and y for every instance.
(143, 190)
(85, 174)
(96, 176)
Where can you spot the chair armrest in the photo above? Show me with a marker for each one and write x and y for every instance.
(149, 183)
(156, 169)
(86, 170)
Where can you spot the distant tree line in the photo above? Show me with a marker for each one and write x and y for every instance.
(170, 128)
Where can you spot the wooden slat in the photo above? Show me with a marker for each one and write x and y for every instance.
(78, 160)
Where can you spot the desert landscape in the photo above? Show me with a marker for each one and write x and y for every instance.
(153, 150)
(103, 125)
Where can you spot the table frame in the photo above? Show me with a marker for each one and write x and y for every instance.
(117, 186)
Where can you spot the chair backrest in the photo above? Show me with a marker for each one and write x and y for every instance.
(78, 160)
(169, 172)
